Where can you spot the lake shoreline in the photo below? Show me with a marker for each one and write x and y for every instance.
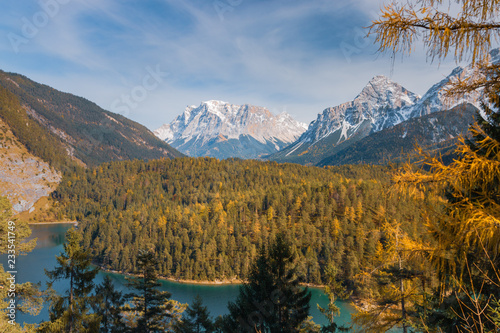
(181, 281)
(216, 294)
(226, 282)
(54, 222)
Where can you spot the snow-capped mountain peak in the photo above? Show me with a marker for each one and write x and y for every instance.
(377, 106)
(381, 92)
(200, 129)
(381, 104)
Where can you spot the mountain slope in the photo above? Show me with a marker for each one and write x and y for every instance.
(379, 105)
(72, 128)
(435, 98)
(24, 178)
(224, 130)
(44, 132)
(435, 131)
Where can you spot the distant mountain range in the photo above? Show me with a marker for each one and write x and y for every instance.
(219, 129)
(52, 131)
(223, 130)
(342, 134)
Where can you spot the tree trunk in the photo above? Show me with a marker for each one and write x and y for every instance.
(71, 303)
(402, 290)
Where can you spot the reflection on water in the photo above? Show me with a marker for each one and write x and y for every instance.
(215, 297)
(49, 235)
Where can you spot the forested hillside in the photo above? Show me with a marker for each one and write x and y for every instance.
(206, 219)
(37, 139)
(64, 129)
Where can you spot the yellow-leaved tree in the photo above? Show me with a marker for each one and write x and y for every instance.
(469, 34)
(464, 225)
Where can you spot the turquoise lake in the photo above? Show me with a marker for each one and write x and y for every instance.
(215, 297)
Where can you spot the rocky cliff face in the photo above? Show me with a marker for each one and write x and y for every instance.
(45, 131)
(223, 130)
(24, 178)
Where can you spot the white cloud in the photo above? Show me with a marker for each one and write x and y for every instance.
(274, 54)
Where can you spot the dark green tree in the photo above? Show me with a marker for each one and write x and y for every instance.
(71, 312)
(149, 304)
(272, 300)
(197, 319)
(108, 302)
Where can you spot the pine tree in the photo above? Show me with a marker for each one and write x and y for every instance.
(396, 284)
(197, 319)
(151, 305)
(334, 290)
(309, 326)
(108, 302)
(71, 313)
(272, 300)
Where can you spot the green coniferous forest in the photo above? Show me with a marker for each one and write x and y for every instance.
(207, 219)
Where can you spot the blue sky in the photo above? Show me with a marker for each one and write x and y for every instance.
(149, 59)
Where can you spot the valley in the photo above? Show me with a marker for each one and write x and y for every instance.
(232, 195)
(49, 244)
(207, 218)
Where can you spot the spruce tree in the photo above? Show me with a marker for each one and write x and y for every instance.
(272, 300)
(108, 302)
(197, 319)
(150, 304)
(396, 284)
(71, 312)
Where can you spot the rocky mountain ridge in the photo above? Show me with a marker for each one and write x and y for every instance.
(434, 132)
(381, 104)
